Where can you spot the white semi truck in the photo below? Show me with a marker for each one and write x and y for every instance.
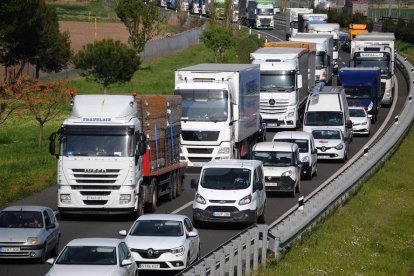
(220, 115)
(292, 20)
(324, 52)
(328, 28)
(287, 72)
(117, 154)
(376, 50)
(260, 14)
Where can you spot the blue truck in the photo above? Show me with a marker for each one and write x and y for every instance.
(362, 88)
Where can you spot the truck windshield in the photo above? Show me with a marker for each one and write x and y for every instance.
(319, 60)
(280, 82)
(265, 11)
(324, 118)
(303, 144)
(274, 158)
(87, 142)
(204, 105)
(358, 92)
(225, 178)
(383, 63)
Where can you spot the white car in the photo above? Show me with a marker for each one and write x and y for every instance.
(330, 144)
(361, 120)
(94, 256)
(163, 242)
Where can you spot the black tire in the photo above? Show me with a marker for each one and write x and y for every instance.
(308, 175)
(178, 184)
(262, 219)
(197, 224)
(42, 258)
(171, 187)
(298, 187)
(293, 192)
(199, 253)
(55, 250)
(154, 196)
(187, 263)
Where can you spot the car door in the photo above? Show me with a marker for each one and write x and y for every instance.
(193, 242)
(261, 195)
(313, 154)
(51, 230)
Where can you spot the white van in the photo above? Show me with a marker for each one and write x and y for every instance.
(229, 191)
(281, 165)
(327, 107)
(307, 150)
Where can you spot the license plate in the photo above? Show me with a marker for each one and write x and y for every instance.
(198, 164)
(9, 249)
(221, 214)
(273, 184)
(149, 266)
(96, 198)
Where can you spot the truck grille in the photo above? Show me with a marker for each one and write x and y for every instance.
(265, 21)
(278, 108)
(200, 150)
(200, 135)
(199, 159)
(105, 176)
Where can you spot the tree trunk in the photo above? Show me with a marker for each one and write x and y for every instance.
(37, 71)
(19, 73)
(40, 136)
(105, 89)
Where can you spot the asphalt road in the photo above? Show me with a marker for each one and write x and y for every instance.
(98, 226)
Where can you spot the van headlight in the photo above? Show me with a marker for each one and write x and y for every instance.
(245, 200)
(305, 159)
(287, 173)
(200, 199)
(178, 251)
(224, 150)
(340, 146)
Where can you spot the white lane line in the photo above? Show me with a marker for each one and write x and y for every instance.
(182, 207)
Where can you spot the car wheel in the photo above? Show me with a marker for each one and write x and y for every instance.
(308, 175)
(42, 258)
(197, 224)
(187, 263)
(262, 218)
(198, 254)
(293, 192)
(298, 187)
(56, 248)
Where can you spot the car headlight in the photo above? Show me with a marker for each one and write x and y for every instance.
(200, 199)
(33, 240)
(364, 123)
(245, 200)
(340, 146)
(305, 159)
(287, 173)
(225, 150)
(178, 251)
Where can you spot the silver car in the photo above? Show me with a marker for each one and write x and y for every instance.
(28, 232)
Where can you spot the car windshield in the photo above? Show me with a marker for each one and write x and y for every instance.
(303, 144)
(324, 118)
(87, 255)
(164, 228)
(225, 178)
(353, 112)
(274, 158)
(21, 219)
(327, 134)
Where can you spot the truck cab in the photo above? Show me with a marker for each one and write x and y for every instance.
(260, 14)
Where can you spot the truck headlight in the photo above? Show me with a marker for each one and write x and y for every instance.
(124, 199)
(305, 159)
(245, 200)
(200, 199)
(290, 114)
(224, 150)
(178, 251)
(65, 198)
(33, 240)
(340, 146)
(287, 173)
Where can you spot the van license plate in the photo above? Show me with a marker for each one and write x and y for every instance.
(221, 214)
(273, 184)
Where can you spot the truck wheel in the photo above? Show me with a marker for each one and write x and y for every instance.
(171, 187)
(154, 196)
(178, 184)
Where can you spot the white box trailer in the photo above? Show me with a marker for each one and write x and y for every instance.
(324, 68)
(328, 28)
(376, 50)
(220, 118)
(287, 72)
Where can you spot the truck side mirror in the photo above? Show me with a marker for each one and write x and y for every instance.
(300, 81)
(142, 145)
(52, 144)
(193, 184)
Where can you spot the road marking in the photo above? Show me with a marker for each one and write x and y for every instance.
(182, 207)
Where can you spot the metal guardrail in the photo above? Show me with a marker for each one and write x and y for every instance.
(304, 215)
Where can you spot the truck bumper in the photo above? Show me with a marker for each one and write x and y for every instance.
(96, 211)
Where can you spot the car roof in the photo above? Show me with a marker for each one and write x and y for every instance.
(25, 208)
(162, 217)
(277, 146)
(234, 163)
(293, 134)
(94, 242)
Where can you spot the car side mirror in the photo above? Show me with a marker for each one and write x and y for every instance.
(122, 233)
(50, 261)
(193, 184)
(50, 226)
(192, 234)
(348, 124)
(258, 185)
(314, 151)
(126, 262)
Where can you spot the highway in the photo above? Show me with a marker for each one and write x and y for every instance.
(213, 237)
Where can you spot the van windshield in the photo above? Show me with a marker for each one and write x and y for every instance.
(274, 158)
(225, 178)
(303, 144)
(324, 118)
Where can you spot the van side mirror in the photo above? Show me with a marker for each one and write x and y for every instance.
(193, 184)
(258, 185)
(348, 124)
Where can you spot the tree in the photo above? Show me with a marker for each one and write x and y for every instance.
(44, 101)
(9, 101)
(107, 62)
(218, 38)
(142, 18)
(31, 30)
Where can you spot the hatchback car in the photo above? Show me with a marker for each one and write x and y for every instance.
(163, 242)
(361, 120)
(331, 144)
(28, 232)
(94, 256)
